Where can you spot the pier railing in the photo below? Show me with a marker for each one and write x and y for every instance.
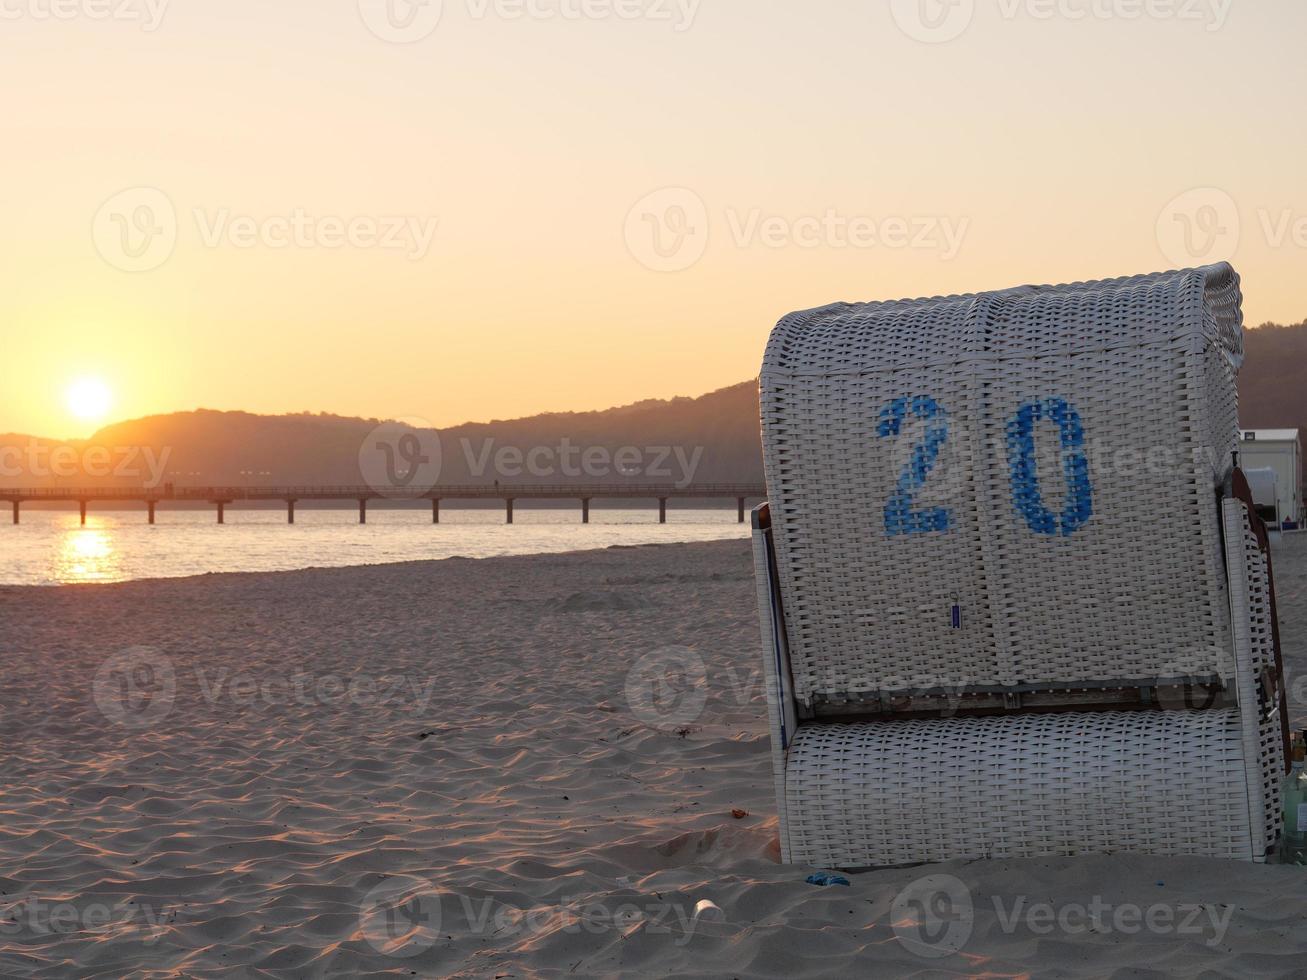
(220, 496)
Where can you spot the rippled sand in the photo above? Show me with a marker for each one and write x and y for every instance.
(520, 767)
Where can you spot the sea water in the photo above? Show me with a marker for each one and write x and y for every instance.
(50, 547)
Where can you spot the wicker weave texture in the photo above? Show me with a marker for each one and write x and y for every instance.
(780, 698)
(886, 793)
(1254, 649)
(1005, 488)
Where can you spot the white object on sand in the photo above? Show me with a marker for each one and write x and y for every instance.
(708, 911)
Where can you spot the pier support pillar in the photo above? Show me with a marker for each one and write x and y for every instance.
(585, 510)
(662, 510)
(290, 512)
(435, 510)
(740, 501)
(222, 517)
(15, 511)
(363, 510)
(82, 505)
(150, 505)
(508, 510)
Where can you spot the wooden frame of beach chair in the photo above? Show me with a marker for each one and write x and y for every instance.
(976, 674)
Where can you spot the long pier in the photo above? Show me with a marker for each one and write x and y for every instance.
(222, 497)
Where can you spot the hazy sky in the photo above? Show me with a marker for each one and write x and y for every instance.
(571, 204)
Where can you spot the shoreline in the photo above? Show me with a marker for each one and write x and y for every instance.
(210, 576)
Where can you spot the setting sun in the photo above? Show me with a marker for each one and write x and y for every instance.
(88, 399)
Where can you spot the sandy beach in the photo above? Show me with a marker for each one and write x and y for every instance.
(544, 766)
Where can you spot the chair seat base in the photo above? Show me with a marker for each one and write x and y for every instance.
(904, 792)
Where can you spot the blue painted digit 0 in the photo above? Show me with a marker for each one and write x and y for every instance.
(1078, 505)
(900, 518)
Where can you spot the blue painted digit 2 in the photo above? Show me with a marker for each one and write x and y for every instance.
(1078, 506)
(900, 518)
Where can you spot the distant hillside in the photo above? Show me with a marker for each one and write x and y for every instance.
(1273, 383)
(710, 439)
(714, 438)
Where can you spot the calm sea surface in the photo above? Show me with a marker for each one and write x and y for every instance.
(51, 548)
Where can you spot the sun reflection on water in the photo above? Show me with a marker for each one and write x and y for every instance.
(86, 554)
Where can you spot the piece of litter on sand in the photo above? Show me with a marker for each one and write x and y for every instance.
(708, 910)
(739, 814)
(827, 878)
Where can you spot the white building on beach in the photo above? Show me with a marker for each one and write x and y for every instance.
(1280, 450)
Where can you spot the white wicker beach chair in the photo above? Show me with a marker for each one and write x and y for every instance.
(1014, 599)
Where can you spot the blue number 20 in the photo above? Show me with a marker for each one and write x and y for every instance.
(900, 518)
(1078, 505)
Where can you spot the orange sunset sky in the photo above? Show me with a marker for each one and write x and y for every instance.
(493, 214)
